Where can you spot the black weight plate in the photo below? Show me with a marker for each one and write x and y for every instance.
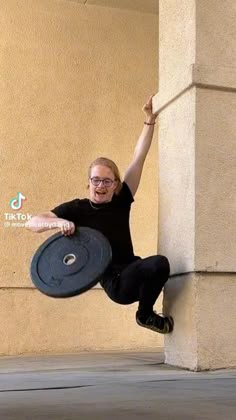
(65, 266)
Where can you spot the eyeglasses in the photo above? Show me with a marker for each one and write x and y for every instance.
(107, 182)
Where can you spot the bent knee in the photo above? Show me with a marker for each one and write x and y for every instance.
(163, 265)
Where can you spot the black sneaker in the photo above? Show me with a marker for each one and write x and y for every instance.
(160, 324)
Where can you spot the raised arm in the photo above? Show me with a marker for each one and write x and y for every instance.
(133, 173)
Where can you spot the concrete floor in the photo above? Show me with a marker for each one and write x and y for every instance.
(112, 386)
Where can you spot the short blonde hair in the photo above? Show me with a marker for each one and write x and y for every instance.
(110, 164)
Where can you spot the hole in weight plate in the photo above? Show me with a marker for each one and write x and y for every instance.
(69, 259)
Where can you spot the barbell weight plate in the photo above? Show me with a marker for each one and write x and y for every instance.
(65, 266)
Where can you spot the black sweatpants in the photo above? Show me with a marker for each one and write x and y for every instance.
(141, 281)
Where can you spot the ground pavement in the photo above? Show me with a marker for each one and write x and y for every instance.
(112, 386)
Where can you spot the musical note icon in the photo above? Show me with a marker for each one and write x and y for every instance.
(16, 203)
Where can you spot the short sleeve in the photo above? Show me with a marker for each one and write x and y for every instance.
(125, 194)
(68, 210)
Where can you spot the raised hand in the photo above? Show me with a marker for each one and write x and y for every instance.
(148, 110)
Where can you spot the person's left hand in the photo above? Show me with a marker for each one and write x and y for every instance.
(148, 110)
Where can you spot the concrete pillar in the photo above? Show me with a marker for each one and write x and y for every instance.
(197, 179)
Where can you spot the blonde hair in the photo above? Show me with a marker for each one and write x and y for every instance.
(110, 164)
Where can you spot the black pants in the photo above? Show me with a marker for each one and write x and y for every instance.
(141, 281)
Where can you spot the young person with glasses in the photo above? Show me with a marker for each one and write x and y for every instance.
(128, 278)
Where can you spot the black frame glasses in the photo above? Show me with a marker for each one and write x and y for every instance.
(107, 182)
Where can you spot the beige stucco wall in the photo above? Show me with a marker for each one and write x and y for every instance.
(176, 51)
(203, 306)
(215, 234)
(177, 182)
(73, 79)
(33, 323)
(146, 6)
(197, 194)
(197, 135)
(197, 186)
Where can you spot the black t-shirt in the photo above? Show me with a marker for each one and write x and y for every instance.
(112, 219)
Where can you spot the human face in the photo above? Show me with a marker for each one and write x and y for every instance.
(101, 193)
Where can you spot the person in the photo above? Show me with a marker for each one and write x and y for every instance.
(128, 278)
